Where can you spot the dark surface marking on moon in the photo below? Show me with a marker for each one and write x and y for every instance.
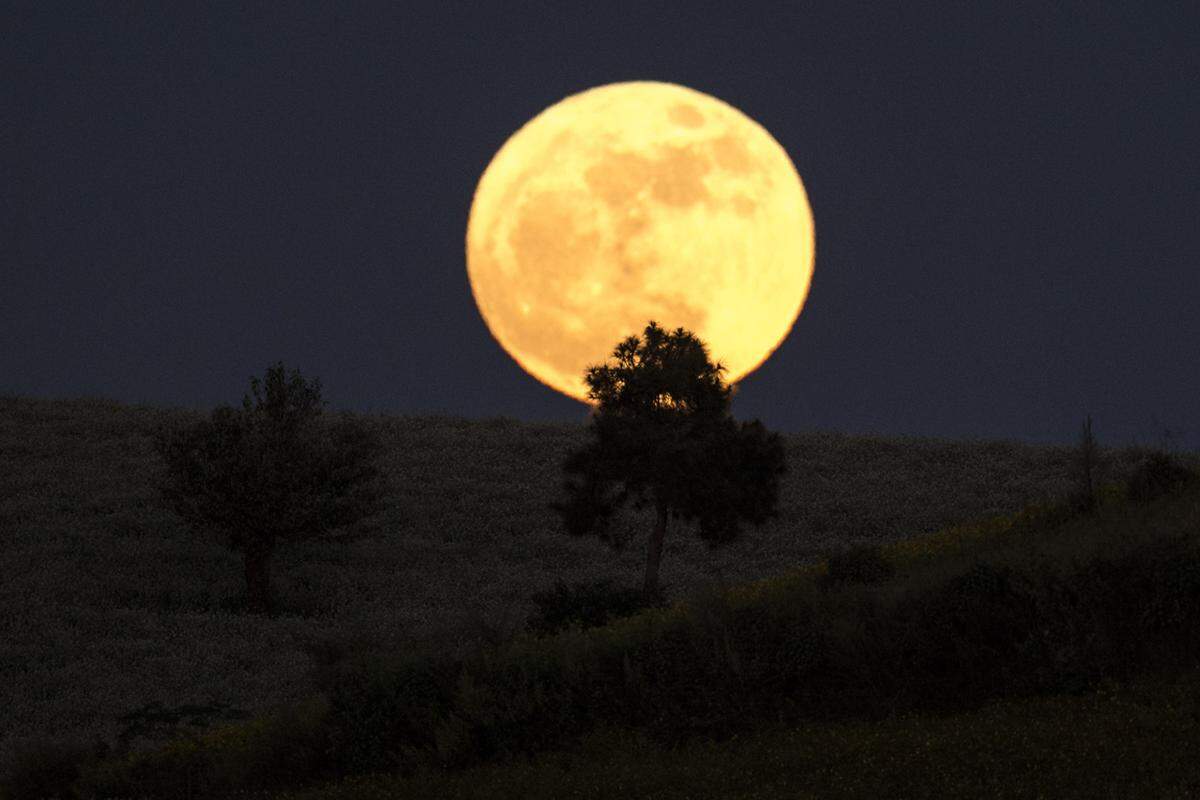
(685, 116)
(549, 239)
(731, 153)
(679, 177)
(618, 177)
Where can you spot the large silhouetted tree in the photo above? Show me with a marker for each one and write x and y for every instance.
(275, 469)
(662, 435)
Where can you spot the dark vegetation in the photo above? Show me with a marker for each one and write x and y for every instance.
(1160, 476)
(1043, 606)
(864, 563)
(662, 434)
(1135, 740)
(1001, 623)
(272, 471)
(587, 605)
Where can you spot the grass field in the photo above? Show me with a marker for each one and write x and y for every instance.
(112, 604)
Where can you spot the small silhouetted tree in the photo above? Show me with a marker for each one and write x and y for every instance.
(662, 435)
(1088, 461)
(276, 469)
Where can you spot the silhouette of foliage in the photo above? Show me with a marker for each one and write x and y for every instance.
(864, 563)
(662, 435)
(48, 767)
(154, 716)
(587, 605)
(1159, 475)
(274, 470)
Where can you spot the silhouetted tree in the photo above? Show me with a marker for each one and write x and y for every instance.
(1088, 460)
(274, 470)
(662, 435)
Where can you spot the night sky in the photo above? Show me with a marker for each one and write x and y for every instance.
(1006, 201)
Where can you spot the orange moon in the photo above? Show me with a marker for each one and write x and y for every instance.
(633, 202)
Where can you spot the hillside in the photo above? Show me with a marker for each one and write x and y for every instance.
(111, 603)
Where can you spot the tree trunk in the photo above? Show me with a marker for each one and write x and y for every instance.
(258, 576)
(654, 550)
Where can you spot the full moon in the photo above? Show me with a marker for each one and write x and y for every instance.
(633, 202)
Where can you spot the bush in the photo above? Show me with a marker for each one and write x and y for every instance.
(46, 768)
(864, 563)
(1158, 476)
(1148, 601)
(386, 713)
(588, 605)
(958, 637)
(152, 719)
(280, 750)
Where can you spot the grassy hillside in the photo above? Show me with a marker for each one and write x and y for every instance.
(112, 604)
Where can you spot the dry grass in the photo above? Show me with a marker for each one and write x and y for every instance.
(110, 602)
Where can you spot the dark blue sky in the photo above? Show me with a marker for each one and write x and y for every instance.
(1006, 198)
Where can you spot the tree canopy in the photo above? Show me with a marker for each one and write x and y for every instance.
(662, 435)
(273, 470)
